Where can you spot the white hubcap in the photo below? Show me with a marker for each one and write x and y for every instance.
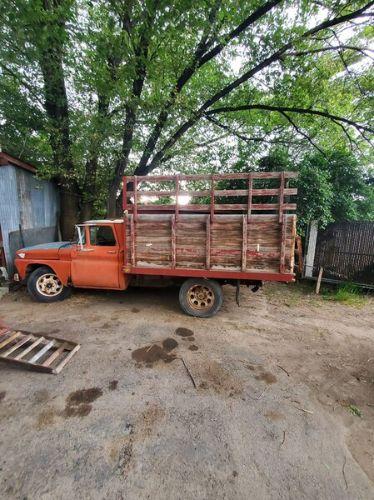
(49, 285)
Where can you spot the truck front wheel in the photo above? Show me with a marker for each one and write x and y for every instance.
(44, 286)
(201, 298)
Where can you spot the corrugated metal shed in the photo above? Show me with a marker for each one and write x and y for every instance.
(25, 201)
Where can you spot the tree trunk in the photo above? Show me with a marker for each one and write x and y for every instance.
(51, 47)
(69, 216)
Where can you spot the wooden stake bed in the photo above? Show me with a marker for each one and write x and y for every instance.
(233, 226)
(38, 352)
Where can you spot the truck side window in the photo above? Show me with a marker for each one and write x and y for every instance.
(102, 236)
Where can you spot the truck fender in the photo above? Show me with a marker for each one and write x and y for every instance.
(60, 268)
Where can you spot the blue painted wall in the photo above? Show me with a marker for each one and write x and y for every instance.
(25, 200)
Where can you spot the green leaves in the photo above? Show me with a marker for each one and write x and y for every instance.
(94, 49)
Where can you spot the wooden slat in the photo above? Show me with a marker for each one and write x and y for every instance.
(9, 339)
(208, 242)
(64, 361)
(236, 176)
(30, 348)
(217, 207)
(55, 354)
(173, 242)
(18, 345)
(217, 192)
(42, 351)
(244, 243)
(26, 364)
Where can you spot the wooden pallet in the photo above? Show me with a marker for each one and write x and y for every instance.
(37, 352)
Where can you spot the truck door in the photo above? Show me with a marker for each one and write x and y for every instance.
(95, 260)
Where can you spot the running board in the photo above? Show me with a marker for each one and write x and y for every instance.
(37, 352)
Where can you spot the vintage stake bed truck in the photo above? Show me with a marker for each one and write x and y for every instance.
(201, 245)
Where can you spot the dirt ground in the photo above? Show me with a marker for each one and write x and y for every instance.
(274, 399)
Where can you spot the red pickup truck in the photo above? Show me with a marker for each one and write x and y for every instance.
(194, 237)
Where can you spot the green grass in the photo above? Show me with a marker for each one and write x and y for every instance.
(348, 294)
(355, 411)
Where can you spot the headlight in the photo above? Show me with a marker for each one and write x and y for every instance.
(21, 255)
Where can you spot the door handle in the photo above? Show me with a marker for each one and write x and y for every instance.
(112, 251)
(85, 249)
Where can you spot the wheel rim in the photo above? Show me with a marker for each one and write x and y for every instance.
(49, 285)
(200, 297)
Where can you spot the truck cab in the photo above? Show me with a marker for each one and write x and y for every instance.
(94, 259)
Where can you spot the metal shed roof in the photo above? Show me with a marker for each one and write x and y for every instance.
(7, 159)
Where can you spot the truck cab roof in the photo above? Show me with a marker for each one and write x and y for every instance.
(104, 221)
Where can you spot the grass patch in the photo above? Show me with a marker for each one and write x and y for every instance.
(348, 294)
(290, 294)
(355, 411)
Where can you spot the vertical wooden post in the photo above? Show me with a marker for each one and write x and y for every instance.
(124, 207)
(212, 198)
(244, 243)
(173, 242)
(133, 246)
(319, 279)
(293, 241)
(176, 198)
(300, 260)
(281, 197)
(283, 228)
(250, 190)
(208, 241)
(124, 193)
(135, 209)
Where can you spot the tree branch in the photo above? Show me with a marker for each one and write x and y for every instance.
(300, 53)
(243, 137)
(22, 82)
(301, 132)
(255, 16)
(160, 155)
(281, 109)
(199, 59)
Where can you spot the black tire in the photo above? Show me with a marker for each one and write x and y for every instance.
(35, 285)
(201, 298)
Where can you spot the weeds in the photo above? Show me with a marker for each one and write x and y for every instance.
(355, 411)
(347, 293)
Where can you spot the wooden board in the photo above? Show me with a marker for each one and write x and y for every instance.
(37, 352)
(229, 243)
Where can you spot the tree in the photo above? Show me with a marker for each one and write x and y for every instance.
(331, 187)
(133, 87)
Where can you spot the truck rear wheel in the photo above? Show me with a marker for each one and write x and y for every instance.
(44, 286)
(201, 298)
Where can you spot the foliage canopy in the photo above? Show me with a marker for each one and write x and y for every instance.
(93, 89)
